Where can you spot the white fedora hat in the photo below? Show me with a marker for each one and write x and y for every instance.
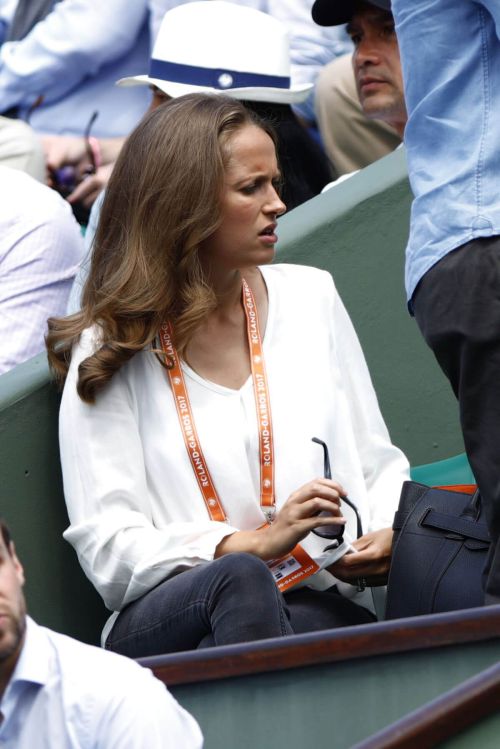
(220, 47)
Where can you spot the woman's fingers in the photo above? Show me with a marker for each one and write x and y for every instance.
(318, 489)
(317, 503)
(371, 559)
(350, 574)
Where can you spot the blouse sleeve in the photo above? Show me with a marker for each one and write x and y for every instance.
(107, 496)
(384, 466)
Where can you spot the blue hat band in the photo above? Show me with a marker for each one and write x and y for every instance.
(213, 78)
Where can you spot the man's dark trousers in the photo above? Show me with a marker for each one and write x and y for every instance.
(457, 307)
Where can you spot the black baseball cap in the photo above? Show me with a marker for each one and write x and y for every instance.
(335, 12)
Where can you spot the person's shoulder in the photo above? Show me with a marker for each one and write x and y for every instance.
(27, 196)
(96, 670)
(29, 207)
(305, 278)
(293, 271)
(124, 704)
(87, 344)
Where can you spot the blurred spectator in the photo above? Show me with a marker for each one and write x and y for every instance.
(359, 103)
(7, 10)
(351, 139)
(25, 15)
(21, 149)
(252, 50)
(40, 249)
(311, 47)
(62, 71)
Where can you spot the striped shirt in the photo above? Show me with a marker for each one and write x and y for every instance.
(40, 249)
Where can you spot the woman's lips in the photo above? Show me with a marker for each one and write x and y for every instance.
(268, 235)
(269, 238)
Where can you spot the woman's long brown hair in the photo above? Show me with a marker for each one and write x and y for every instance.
(162, 202)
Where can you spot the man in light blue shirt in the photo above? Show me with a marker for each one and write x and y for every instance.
(57, 693)
(72, 58)
(450, 53)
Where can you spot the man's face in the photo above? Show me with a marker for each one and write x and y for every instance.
(377, 67)
(12, 610)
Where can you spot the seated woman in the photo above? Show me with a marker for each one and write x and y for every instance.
(196, 376)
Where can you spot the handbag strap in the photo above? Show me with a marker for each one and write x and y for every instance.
(412, 492)
(459, 525)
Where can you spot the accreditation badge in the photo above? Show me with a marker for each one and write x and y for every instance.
(292, 568)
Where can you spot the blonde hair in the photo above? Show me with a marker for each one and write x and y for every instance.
(162, 202)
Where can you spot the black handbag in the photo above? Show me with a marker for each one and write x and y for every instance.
(439, 551)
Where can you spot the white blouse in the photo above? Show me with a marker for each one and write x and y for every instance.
(137, 515)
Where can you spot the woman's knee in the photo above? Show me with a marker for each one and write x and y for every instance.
(244, 567)
(245, 603)
(245, 577)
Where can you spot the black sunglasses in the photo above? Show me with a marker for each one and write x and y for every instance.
(334, 531)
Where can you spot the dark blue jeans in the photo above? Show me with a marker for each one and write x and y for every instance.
(232, 599)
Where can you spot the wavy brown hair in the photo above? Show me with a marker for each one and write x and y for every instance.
(162, 201)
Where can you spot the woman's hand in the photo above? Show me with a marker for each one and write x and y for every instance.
(297, 518)
(299, 515)
(370, 561)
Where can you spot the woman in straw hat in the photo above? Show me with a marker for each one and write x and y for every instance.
(196, 376)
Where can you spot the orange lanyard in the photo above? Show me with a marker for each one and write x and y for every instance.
(263, 408)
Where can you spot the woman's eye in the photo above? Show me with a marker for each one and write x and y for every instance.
(249, 189)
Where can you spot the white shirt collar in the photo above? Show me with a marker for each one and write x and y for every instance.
(33, 665)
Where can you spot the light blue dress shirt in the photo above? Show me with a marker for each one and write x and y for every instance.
(450, 52)
(73, 58)
(67, 695)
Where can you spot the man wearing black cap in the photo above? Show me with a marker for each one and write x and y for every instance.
(361, 118)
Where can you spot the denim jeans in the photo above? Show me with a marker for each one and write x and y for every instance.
(232, 599)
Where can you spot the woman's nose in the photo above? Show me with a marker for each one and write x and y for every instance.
(275, 204)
